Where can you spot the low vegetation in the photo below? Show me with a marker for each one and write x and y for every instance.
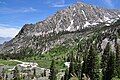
(7, 62)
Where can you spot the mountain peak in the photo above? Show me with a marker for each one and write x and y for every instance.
(53, 30)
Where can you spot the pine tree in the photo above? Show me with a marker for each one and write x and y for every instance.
(66, 76)
(44, 72)
(71, 69)
(93, 64)
(96, 67)
(105, 59)
(85, 57)
(53, 71)
(79, 59)
(78, 71)
(117, 60)
(72, 65)
(110, 67)
(16, 75)
(34, 72)
(6, 78)
(3, 73)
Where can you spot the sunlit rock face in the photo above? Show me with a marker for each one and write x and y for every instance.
(60, 28)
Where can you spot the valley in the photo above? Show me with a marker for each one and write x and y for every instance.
(81, 42)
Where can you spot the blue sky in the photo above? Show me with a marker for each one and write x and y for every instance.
(15, 13)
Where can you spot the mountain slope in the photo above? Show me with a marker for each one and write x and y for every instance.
(60, 29)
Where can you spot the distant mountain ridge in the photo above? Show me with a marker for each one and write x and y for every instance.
(0, 45)
(61, 28)
(4, 39)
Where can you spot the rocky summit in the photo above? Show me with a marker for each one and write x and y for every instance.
(60, 29)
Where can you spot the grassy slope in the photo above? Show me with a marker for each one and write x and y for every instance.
(7, 62)
(59, 53)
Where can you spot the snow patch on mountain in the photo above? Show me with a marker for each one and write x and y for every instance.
(78, 27)
(95, 23)
(106, 18)
(100, 20)
(38, 34)
(107, 24)
(84, 14)
(119, 15)
(110, 21)
(86, 24)
(70, 27)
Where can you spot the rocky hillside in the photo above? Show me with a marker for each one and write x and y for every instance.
(60, 29)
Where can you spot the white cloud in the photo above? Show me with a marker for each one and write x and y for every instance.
(57, 3)
(29, 9)
(109, 2)
(20, 10)
(6, 31)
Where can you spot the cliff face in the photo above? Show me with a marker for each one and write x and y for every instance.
(61, 28)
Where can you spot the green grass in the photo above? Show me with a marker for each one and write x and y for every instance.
(45, 63)
(7, 62)
(59, 53)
